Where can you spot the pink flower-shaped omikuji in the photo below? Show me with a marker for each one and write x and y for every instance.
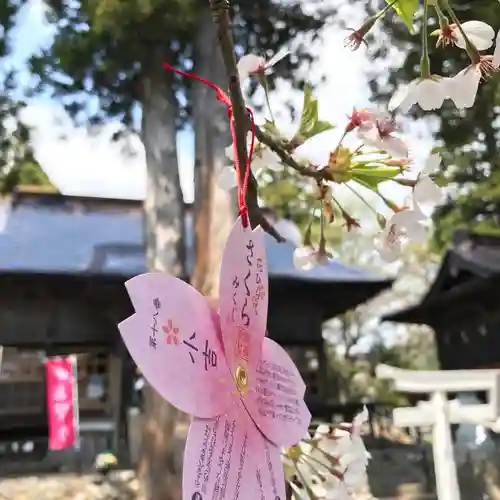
(243, 390)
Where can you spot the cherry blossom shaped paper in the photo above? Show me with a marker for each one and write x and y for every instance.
(243, 390)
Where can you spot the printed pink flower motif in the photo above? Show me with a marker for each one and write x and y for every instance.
(243, 390)
(171, 333)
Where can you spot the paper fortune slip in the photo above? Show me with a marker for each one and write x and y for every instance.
(243, 390)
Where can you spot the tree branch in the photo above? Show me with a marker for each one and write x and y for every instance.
(287, 159)
(220, 13)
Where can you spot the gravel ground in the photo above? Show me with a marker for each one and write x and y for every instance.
(120, 485)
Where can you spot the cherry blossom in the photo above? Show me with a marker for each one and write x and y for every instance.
(357, 37)
(463, 86)
(331, 464)
(306, 257)
(429, 93)
(262, 158)
(426, 193)
(251, 64)
(382, 136)
(479, 34)
(496, 54)
(403, 227)
(362, 119)
(346, 439)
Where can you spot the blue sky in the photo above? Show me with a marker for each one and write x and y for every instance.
(76, 164)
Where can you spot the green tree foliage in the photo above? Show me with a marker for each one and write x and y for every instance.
(107, 47)
(469, 140)
(26, 173)
(17, 164)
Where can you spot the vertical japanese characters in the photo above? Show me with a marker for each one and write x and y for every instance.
(154, 326)
(248, 289)
(174, 337)
(61, 402)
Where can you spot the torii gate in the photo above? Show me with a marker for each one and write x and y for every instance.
(440, 413)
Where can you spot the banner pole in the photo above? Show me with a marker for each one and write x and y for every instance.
(76, 408)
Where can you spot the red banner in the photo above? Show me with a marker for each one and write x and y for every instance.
(62, 402)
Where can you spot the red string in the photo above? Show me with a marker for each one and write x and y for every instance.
(223, 97)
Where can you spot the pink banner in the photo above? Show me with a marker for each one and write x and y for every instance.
(62, 403)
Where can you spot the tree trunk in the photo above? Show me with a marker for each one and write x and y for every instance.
(165, 428)
(215, 208)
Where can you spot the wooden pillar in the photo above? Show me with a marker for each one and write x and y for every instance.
(115, 398)
(127, 388)
(322, 370)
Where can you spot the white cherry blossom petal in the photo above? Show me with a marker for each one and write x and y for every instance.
(227, 178)
(432, 164)
(428, 93)
(360, 419)
(281, 54)
(427, 195)
(410, 221)
(389, 249)
(402, 97)
(269, 159)
(355, 473)
(391, 144)
(464, 86)
(394, 146)
(339, 493)
(431, 93)
(248, 64)
(229, 153)
(403, 227)
(304, 258)
(480, 34)
(257, 167)
(496, 53)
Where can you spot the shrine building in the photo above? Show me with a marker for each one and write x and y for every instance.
(63, 264)
(461, 305)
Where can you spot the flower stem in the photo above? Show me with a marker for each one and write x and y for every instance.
(322, 239)
(308, 489)
(443, 20)
(360, 197)
(471, 49)
(386, 8)
(263, 82)
(340, 141)
(425, 64)
(339, 206)
(388, 202)
(307, 458)
(307, 241)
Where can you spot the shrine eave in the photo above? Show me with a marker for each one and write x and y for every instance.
(331, 298)
(479, 291)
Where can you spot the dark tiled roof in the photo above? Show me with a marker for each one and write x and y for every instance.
(52, 233)
(471, 264)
